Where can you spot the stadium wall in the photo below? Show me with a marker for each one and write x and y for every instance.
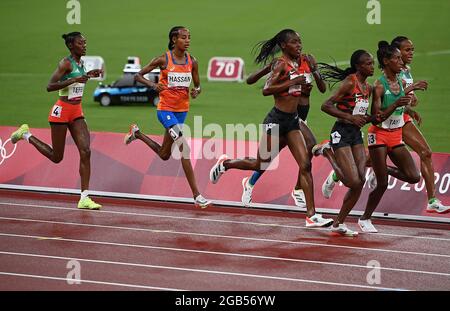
(134, 171)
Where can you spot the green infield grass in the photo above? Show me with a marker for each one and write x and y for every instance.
(31, 47)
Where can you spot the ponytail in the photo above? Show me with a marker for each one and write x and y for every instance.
(334, 74)
(268, 48)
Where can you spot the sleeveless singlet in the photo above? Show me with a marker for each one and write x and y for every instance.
(75, 90)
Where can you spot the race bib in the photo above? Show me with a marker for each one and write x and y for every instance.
(409, 82)
(294, 90)
(56, 111)
(76, 90)
(179, 79)
(361, 106)
(371, 139)
(395, 120)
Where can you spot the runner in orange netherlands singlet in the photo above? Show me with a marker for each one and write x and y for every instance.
(69, 79)
(178, 70)
(176, 79)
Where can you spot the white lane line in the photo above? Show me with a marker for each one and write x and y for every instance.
(225, 237)
(278, 278)
(88, 281)
(216, 220)
(444, 52)
(185, 250)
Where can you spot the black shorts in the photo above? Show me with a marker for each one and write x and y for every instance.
(285, 122)
(343, 134)
(302, 111)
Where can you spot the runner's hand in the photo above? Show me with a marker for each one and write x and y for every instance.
(421, 85)
(194, 92)
(358, 120)
(306, 89)
(158, 86)
(95, 73)
(299, 80)
(81, 79)
(403, 101)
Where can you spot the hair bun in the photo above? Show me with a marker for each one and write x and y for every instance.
(383, 44)
(64, 36)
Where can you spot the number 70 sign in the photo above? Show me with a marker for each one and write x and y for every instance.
(226, 69)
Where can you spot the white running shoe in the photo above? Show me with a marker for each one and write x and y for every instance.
(218, 169)
(246, 192)
(343, 230)
(372, 180)
(318, 149)
(318, 221)
(437, 207)
(328, 186)
(367, 226)
(129, 137)
(299, 197)
(201, 202)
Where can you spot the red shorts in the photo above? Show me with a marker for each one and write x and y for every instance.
(380, 137)
(407, 118)
(63, 112)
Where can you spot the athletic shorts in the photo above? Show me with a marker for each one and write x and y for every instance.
(380, 137)
(65, 113)
(285, 121)
(170, 118)
(302, 111)
(344, 134)
(407, 118)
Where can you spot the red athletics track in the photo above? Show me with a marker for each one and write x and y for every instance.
(142, 245)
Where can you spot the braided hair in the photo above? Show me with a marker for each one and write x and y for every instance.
(334, 74)
(174, 32)
(268, 48)
(385, 50)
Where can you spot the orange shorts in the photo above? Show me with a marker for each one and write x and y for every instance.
(63, 112)
(407, 118)
(380, 137)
